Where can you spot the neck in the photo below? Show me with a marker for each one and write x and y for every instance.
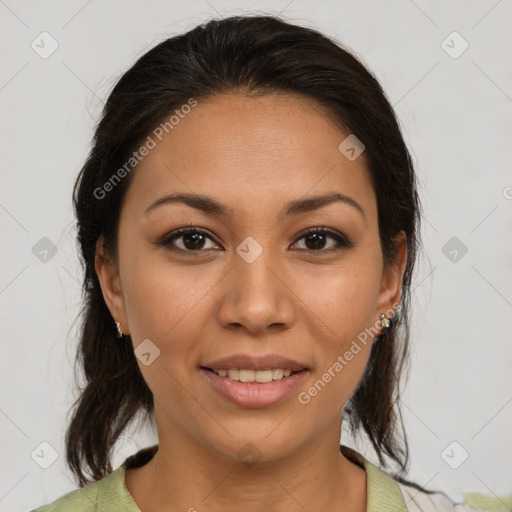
(186, 475)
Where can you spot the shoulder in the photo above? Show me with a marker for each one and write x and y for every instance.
(108, 494)
(419, 501)
(105, 494)
(393, 493)
(81, 500)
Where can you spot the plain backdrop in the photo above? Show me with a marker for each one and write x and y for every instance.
(446, 68)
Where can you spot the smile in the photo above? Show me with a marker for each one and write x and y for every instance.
(254, 389)
(261, 376)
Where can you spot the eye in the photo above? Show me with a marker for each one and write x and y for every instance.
(193, 239)
(317, 237)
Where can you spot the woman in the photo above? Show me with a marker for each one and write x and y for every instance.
(248, 221)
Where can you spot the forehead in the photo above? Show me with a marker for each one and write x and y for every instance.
(249, 151)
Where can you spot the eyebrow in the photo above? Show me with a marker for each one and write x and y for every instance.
(210, 206)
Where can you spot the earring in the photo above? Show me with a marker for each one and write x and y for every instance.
(385, 322)
(120, 333)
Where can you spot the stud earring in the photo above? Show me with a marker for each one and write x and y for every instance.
(120, 333)
(385, 321)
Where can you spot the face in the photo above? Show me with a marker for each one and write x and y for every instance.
(248, 282)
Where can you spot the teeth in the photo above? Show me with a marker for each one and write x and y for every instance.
(261, 376)
(246, 375)
(233, 374)
(277, 374)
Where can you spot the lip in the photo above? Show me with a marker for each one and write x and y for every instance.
(254, 395)
(248, 362)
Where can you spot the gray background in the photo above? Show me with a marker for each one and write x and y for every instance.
(455, 111)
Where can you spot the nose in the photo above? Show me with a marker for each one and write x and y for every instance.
(255, 294)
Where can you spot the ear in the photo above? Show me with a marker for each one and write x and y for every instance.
(110, 282)
(391, 284)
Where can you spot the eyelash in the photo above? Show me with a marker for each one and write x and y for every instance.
(342, 241)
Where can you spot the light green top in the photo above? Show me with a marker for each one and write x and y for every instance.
(384, 494)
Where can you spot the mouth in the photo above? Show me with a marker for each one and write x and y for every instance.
(254, 376)
(254, 389)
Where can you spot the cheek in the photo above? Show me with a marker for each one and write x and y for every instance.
(343, 298)
(165, 305)
(344, 309)
(165, 302)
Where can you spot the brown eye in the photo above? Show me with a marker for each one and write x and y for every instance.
(316, 238)
(192, 240)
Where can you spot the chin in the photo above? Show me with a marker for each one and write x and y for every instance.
(254, 440)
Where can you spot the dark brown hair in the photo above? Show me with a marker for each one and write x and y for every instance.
(254, 55)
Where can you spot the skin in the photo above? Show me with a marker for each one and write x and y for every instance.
(253, 155)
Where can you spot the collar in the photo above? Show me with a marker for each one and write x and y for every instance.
(382, 492)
